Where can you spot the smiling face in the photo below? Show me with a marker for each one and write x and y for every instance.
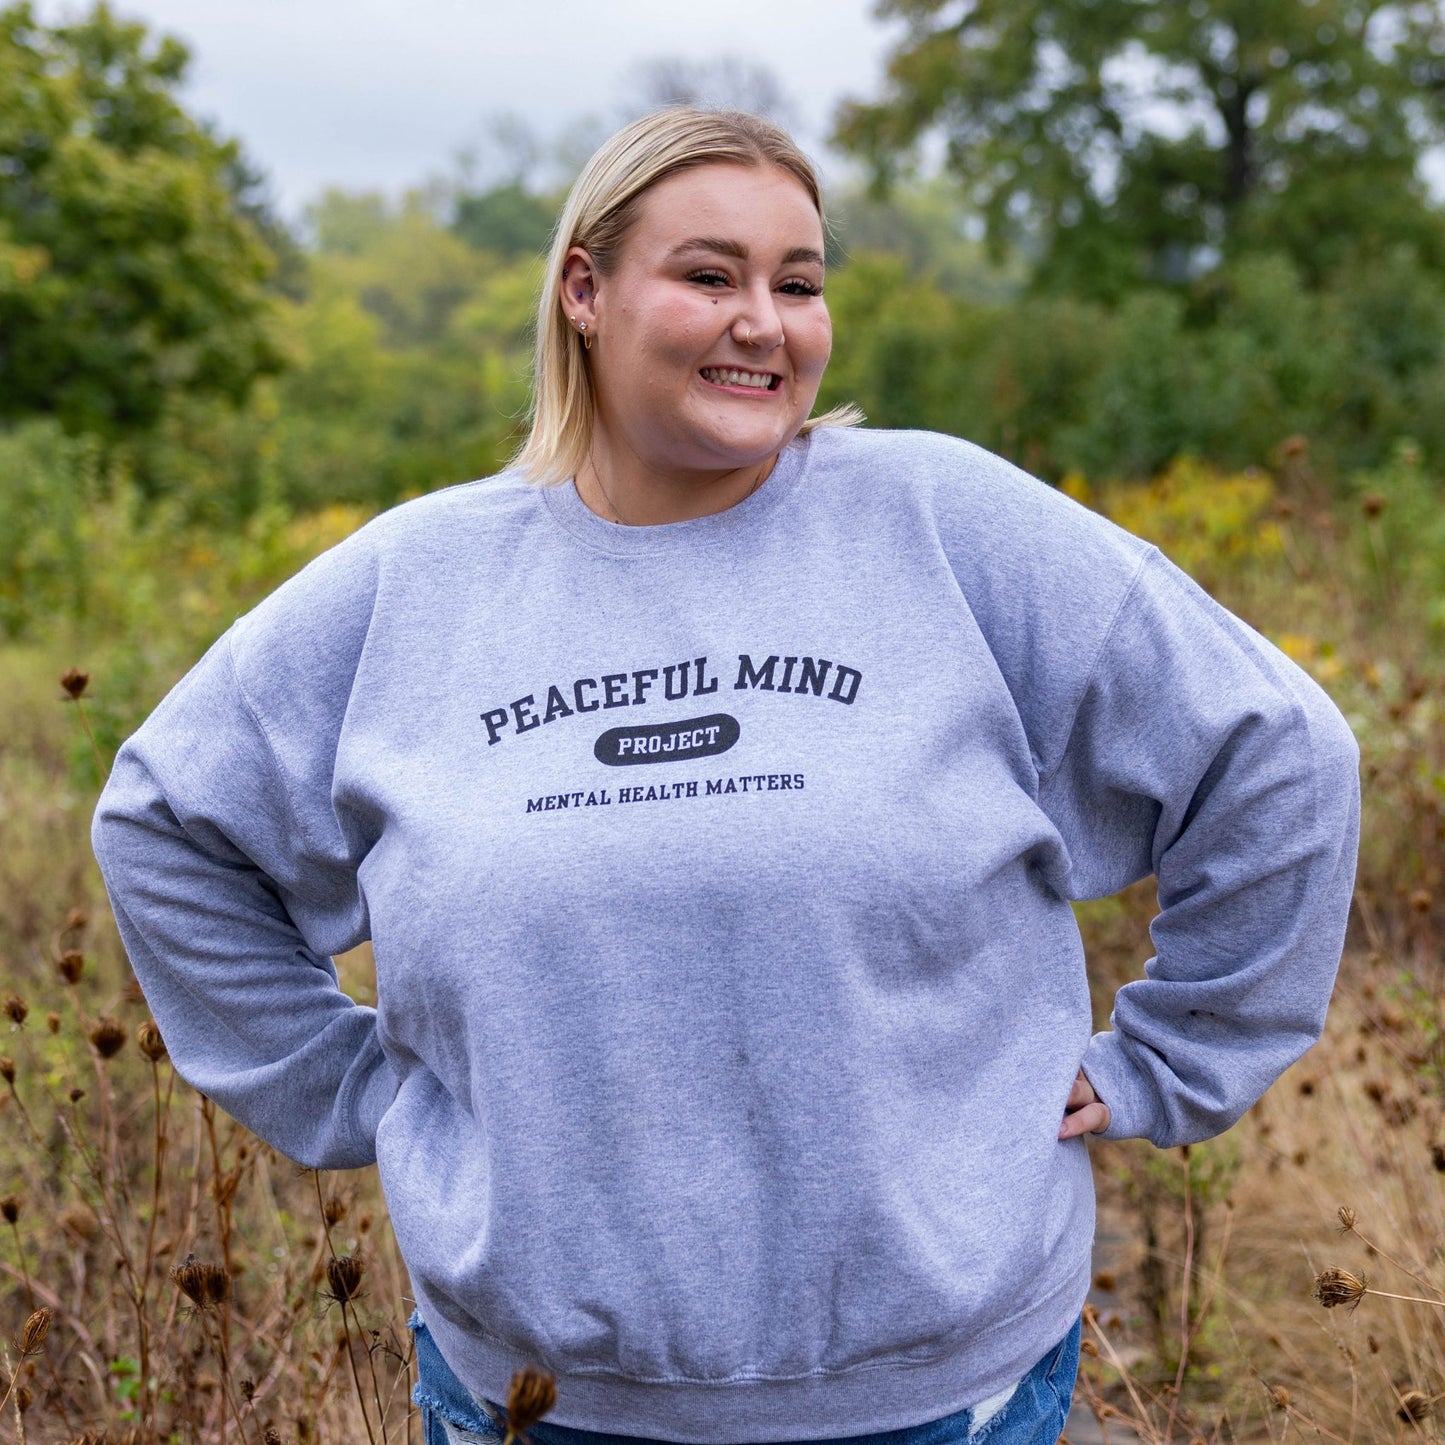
(711, 333)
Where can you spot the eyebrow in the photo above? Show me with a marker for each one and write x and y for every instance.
(722, 247)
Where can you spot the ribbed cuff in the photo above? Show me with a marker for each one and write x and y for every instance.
(1131, 1113)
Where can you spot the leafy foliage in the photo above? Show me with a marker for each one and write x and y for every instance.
(128, 271)
(400, 340)
(508, 221)
(1123, 143)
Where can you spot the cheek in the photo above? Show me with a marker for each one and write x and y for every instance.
(655, 354)
(814, 344)
(681, 330)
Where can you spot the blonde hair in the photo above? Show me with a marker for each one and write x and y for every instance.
(601, 208)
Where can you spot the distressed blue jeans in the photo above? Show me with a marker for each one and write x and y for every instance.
(1034, 1415)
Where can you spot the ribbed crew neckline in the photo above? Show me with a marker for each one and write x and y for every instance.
(619, 540)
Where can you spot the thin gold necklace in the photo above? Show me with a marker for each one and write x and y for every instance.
(617, 516)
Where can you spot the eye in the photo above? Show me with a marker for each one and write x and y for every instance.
(708, 278)
(798, 287)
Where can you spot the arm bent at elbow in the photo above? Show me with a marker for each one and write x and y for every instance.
(1204, 756)
(233, 963)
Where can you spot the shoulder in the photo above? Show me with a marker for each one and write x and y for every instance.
(987, 513)
(423, 545)
(447, 516)
(451, 519)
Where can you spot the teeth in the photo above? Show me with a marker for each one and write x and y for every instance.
(728, 376)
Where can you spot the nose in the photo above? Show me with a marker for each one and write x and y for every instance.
(758, 327)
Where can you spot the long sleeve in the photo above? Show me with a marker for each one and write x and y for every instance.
(1200, 754)
(233, 880)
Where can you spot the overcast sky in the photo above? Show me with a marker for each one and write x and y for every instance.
(384, 93)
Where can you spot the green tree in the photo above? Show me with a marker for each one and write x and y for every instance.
(1128, 141)
(132, 262)
(409, 359)
(927, 226)
(508, 221)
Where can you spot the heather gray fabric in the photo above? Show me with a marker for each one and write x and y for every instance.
(718, 876)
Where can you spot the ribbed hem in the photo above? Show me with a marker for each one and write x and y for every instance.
(886, 1394)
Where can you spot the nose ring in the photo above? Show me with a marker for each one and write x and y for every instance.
(749, 339)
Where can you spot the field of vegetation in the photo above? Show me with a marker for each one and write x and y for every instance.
(201, 1287)
(1248, 372)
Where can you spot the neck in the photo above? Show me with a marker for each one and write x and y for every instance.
(625, 489)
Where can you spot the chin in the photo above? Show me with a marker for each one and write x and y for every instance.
(746, 446)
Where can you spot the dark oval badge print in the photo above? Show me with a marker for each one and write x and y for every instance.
(674, 742)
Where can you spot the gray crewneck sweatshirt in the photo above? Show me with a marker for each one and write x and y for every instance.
(719, 877)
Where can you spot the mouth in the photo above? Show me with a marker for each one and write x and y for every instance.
(734, 376)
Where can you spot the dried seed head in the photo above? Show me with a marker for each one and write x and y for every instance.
(52, 1022)
(9, 1209)
(74, 919)
(16, 1009)
(1088, 1347)
(74, 681)
(33, 1334)
(71, 964)
(7, 1069)
(1372, 504)
(205, 1285)
(79, 1220)
(149, 1041)
(107, 1037)
(532, 1393)
(1415, 1406)
(1338, 1287)
(343, 1275)
(247, 1387)
(76, 1095)
(24, 1398)
(272, 1436)
(1346, 1217)
(1421, 900)
(334, 1210)
(1279, 1397)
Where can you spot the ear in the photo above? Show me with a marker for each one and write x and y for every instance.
(577, 290)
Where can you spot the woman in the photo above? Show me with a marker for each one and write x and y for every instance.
(713, 787)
